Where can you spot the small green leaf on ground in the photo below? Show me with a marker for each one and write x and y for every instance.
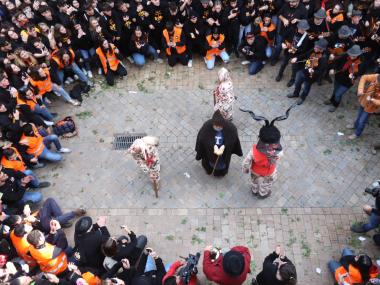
(55, 175)
(306, 250)
(284, 211)
(170, 237)
(253, 266)
(200, 86)
(94, 132)
(221, 195)
(201, 229)
(196, 240)
(84, 114)
(327, 151)
(184, 221)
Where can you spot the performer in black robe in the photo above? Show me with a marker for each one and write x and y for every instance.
(217, 140)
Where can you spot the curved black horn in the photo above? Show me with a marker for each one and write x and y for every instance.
(255, 117)
(284, 117)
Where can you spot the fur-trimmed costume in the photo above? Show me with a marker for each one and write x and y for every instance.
(224, 94)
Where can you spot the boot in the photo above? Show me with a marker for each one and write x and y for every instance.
(279, 77)
(290, 82)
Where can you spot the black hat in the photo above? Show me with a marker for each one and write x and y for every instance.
(249, 35)
(303, 24)
(355, 50)
(356, 13)
(217, 119)
(82, 225)
(344, 31)
(193, 14)
(233, 263)
(215, 30)
(269, 134)
(320, 14)
(321, 43)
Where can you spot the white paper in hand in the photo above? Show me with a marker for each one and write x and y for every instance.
(318, 270)
(361, 238)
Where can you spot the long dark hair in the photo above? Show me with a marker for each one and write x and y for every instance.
(364, 264)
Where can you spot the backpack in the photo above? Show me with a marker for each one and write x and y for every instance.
(65, 128)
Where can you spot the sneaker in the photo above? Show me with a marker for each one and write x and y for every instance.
(358, 229)
(100, 71)
(130, 59)
(80, 212)
(48, 123)
(352, 137)
(64, 150)
(190, 63)
(90, 84)
(159, 60)
(76, 77)
(67, 225)
(264, 196)
(226, 61)
(373, 151)
(292, 95)
(67, 82)
(89, 74)
(290, 83)
(38, 165)
(74, 102)
(332, 109)
(84, 71)
(350, 126)
(327, 102)
(245, 62)
(300, 101)
(70, 79)
(44, 184)
(47, 101)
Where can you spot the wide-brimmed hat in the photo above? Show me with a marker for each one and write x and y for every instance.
(355, 50)
(233, 263)
(321, 43)
(83, 225)
(356, 13)
(303, 25)
(320, 14)
(344, 31)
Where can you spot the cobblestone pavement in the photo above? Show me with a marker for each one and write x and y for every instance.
(321, 176)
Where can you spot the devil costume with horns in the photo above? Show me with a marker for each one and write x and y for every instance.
(262, 158)
(217, 140)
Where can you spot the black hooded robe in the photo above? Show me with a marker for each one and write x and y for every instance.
(206, 141)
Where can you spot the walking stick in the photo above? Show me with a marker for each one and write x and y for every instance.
(155, 187)
(216, 163)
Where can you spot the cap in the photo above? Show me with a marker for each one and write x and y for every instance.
(303, 25)
(83, 225)
(355, 50)
(344, 31)
(320, 14)
(321, 43)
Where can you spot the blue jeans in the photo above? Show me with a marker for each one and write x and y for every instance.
(46, 153)
(211, 63)
(60, 91)
(75, 68)
(338, 93)
(269, 51)
(44, 112)
(243, 31)
(278, 46)
(33, 197)
(139, 58)
(361, 121)
(373, 223)
(334, 265)
(86, 55)
(151, 265)
(51, 210)
(301, 79)
(255, 66)
(34, 183)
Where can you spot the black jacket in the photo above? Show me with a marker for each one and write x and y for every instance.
(268, 275)
(257, 48)
(206, 140)
(12, 190)
(88, 246)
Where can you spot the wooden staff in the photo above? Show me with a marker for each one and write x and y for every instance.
(155, 187)
(216, 163)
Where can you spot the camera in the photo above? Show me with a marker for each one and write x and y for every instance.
(374, 190)
(190, 268)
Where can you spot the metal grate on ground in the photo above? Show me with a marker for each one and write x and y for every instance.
(124, 141)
